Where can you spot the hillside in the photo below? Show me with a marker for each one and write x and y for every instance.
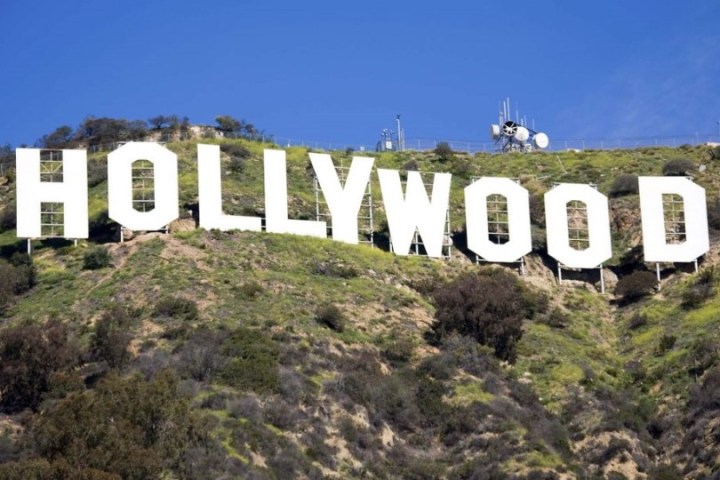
(202, 354)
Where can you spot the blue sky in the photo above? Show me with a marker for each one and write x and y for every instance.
(340, 71)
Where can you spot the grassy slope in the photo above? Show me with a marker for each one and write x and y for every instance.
(260, 280)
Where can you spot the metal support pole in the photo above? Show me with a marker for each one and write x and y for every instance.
(657, 273)
(602, 280)
(29, 246)
(122, 235)
(696, 265)
(559, 274)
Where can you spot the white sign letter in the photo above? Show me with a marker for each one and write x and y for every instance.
(276, 205)
(697, 241)
(343, 202)
(72, 192)
(210, 195)
(120, 194)
(518, 211)
(415, 211)
(598, 224)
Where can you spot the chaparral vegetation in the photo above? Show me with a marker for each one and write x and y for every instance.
(201, 354)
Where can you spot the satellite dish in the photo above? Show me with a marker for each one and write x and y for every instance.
(522, 134)
(541, 140)
(494, 131)
(509, 128)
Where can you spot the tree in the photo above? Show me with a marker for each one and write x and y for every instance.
(158, 122)
(227, 124)
(28, 357)
(62, 137)
(488, 307)
(111, 338)
(128, 427)
(250, 131)
(7, 159)
(102, 131)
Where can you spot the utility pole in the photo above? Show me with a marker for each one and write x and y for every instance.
(400, 135)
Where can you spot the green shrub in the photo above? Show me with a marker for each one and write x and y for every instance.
(411, 166)
(444, 152)
(29, 355)
(177, 307)
(678, 167)
(637, 320)
(16, 277)
(715, 153)
(96, 258)
(41, 469)
(713, 212)
(238, 154)
(132, 428)
(696, 295)
(252, 363)
(555, 318)
(666, 343)
(625, 184)
(701, 289)
(636, 285)
(704, 354)
(665, 472)
(399, 349)
(201, 357)
(8, 219)
(336, 269)
(111, 338)
(97, 171)
(332, 317)
(250, 289)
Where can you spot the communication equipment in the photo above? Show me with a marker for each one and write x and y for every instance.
(392, 141)
(516, 136)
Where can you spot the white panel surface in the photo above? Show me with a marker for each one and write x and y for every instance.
(31, 192)
(165, 174)
(343, 201)
(518, 204)
(556, 219)
(276, 201)
(210, 195)
(414, 210)
(697, 240)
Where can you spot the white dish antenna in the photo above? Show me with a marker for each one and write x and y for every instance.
(495, 131)
(522, 134)
(541, 140)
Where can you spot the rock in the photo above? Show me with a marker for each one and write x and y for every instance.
(127, 234)
(182, 225)
(611, 280)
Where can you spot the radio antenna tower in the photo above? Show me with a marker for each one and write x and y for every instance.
(516, 136)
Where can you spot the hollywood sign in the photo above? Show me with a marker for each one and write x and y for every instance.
(407, 211)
